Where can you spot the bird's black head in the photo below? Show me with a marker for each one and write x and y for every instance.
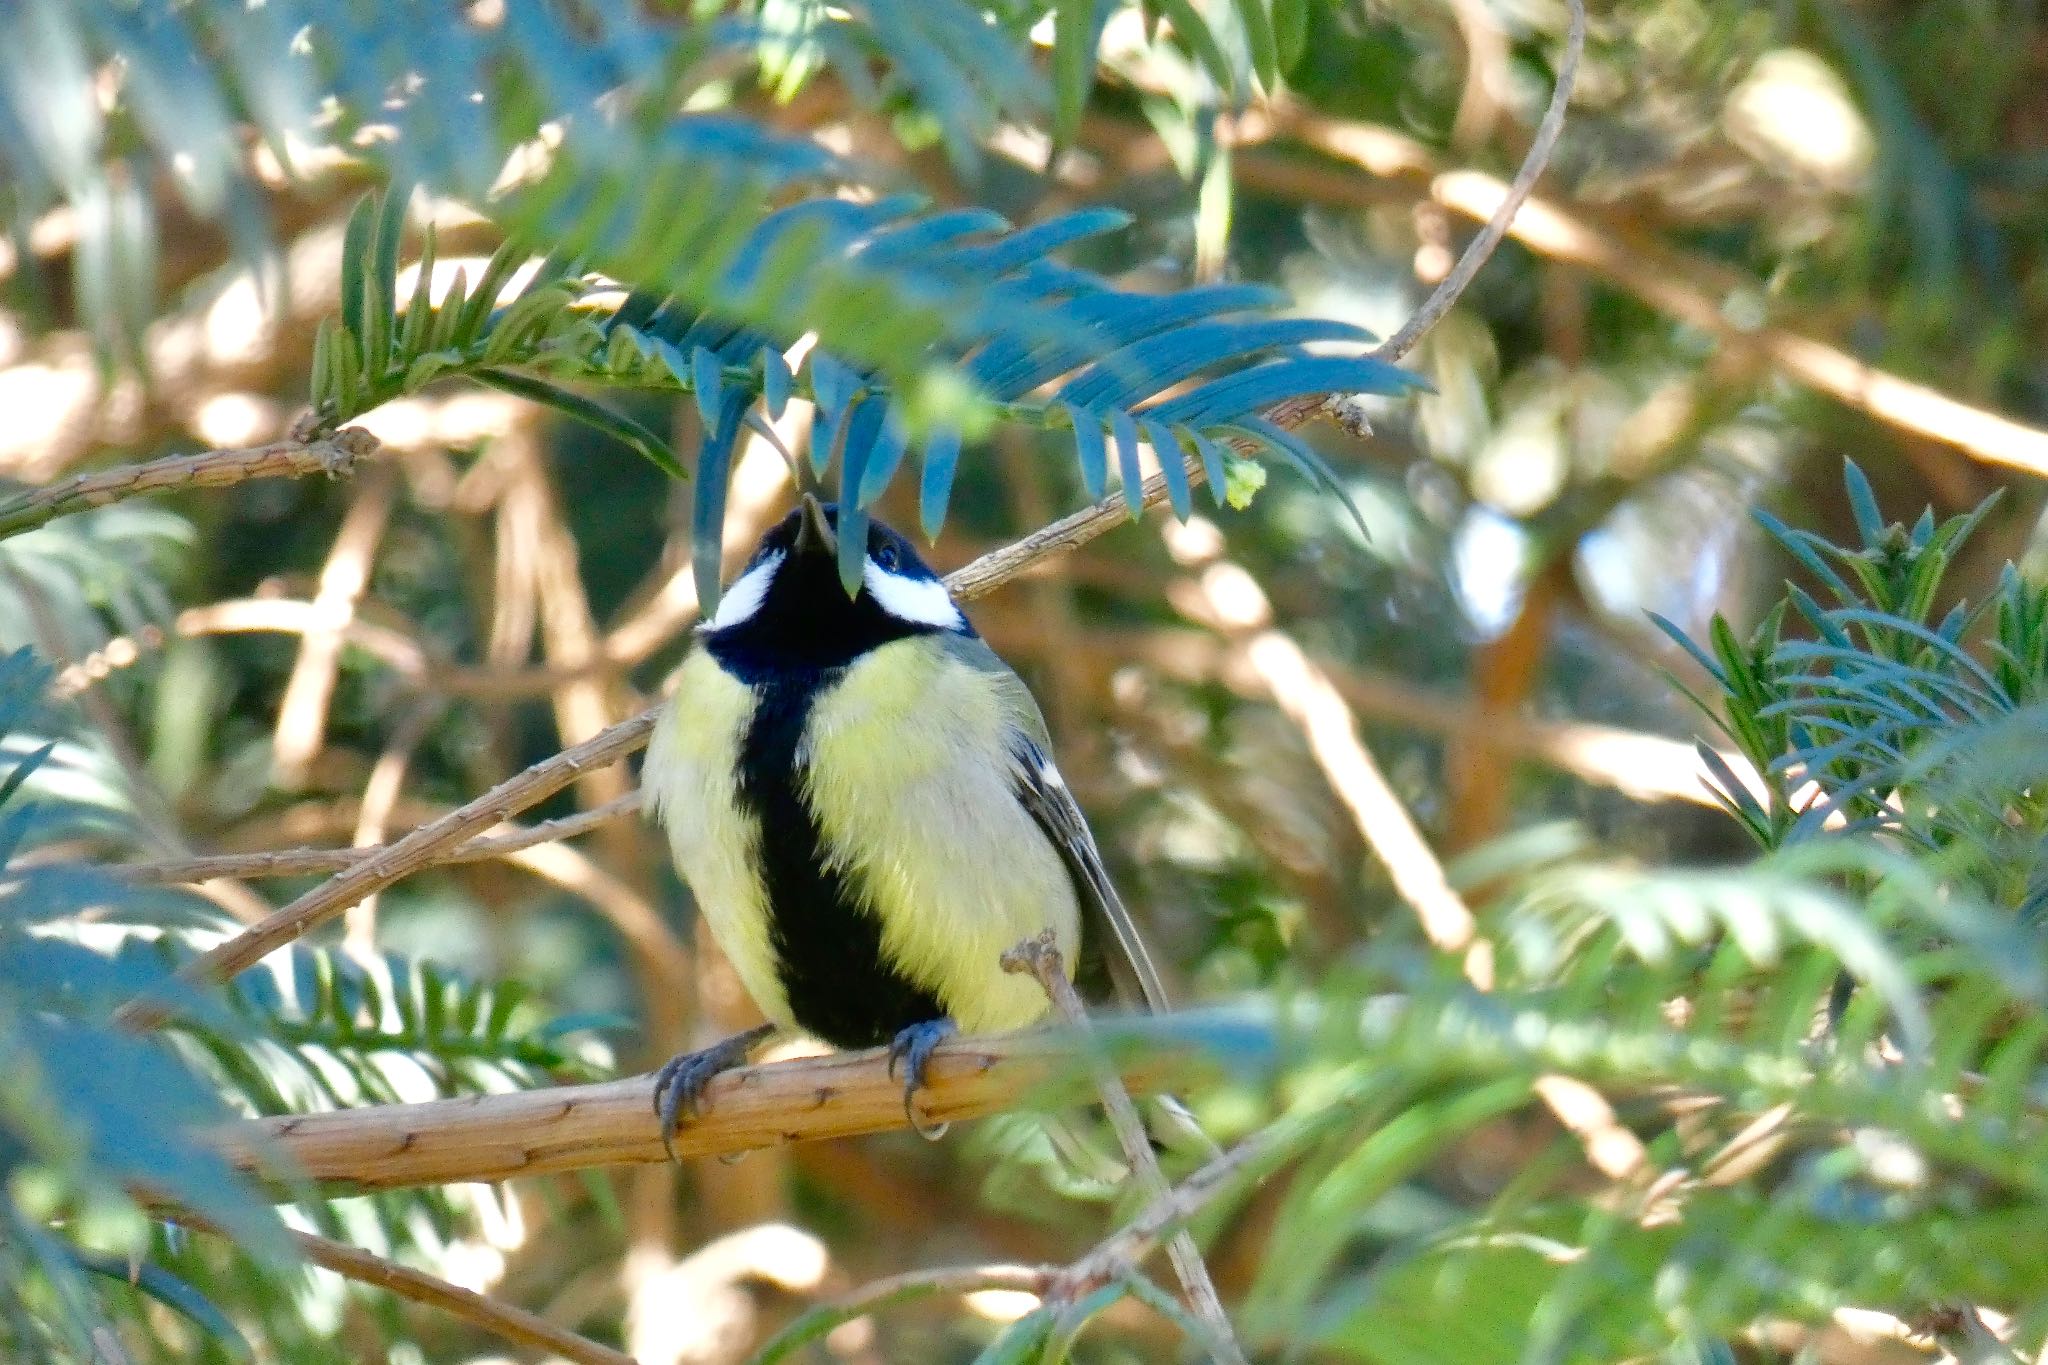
(788, 610)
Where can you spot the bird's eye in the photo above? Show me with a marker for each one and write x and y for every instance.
(885, 558)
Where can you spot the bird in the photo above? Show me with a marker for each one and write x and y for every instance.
(861, 797)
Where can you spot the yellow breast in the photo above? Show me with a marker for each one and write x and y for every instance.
(909, 774)
(690, 782)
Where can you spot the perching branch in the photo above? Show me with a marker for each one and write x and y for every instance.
(1040, 958)
(566, 1128)
(334, 455)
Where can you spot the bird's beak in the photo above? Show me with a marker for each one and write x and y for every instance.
(814, 536)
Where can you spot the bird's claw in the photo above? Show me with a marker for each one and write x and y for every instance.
(913, 1048)
(680, 1084)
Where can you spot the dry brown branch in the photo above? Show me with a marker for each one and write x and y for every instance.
(381, 795)
(335, 455)
(566, 1128)
(401, 859)
(301, 862)
(1680, 285)
(1480, 249)
(502, 1320)
(1113, 1259)
(1040, 958)
(301, 728)
(1225, 596)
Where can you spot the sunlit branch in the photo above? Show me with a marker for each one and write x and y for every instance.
(335, 455)
(301, 862)
(566, 1128)
(1481, 247)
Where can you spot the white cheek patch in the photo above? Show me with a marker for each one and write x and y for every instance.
(920, 601)
(746, 595)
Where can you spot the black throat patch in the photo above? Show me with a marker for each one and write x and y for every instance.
(828, 944)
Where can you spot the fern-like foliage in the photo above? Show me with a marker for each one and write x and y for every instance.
(314, 1030)
(97, 98)
(1892, 1162)
(1887, 718)
(88, 1112)
(1034, 342)
(70, 586)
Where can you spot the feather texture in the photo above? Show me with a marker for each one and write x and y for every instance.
(907, 765)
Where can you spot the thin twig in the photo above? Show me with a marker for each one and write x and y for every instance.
(1113, 1259)
(334, 455)
(1040, 958)
(302, 712)
(400, 859)
(908, 1287)
(1481, 247)
(571, 1127)
(301, 862)
(998, 567)
(502, 1320)
(1114, 1255)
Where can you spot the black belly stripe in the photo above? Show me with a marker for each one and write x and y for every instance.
(828, 945)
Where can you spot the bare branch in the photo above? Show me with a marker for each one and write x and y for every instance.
(566, 1128)
(301, 862)
(501, 1320)
(401, 859)
(335, 455)
(1040, 958)
(1114, 1256)
(1481, 248)
(998, 567)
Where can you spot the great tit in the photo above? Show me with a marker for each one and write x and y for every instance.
(862, 798)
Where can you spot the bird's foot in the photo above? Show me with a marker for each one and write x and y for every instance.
(679, 1085)
(913, 1048)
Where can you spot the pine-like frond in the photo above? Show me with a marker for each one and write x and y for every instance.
(1040, 344)
(607, 104)
(87, 1111)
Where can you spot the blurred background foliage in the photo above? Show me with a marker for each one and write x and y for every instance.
(1758, 1082)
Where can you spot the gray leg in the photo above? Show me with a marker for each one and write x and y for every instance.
(913, 1048)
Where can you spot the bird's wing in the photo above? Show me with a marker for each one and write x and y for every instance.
(1107, 925)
